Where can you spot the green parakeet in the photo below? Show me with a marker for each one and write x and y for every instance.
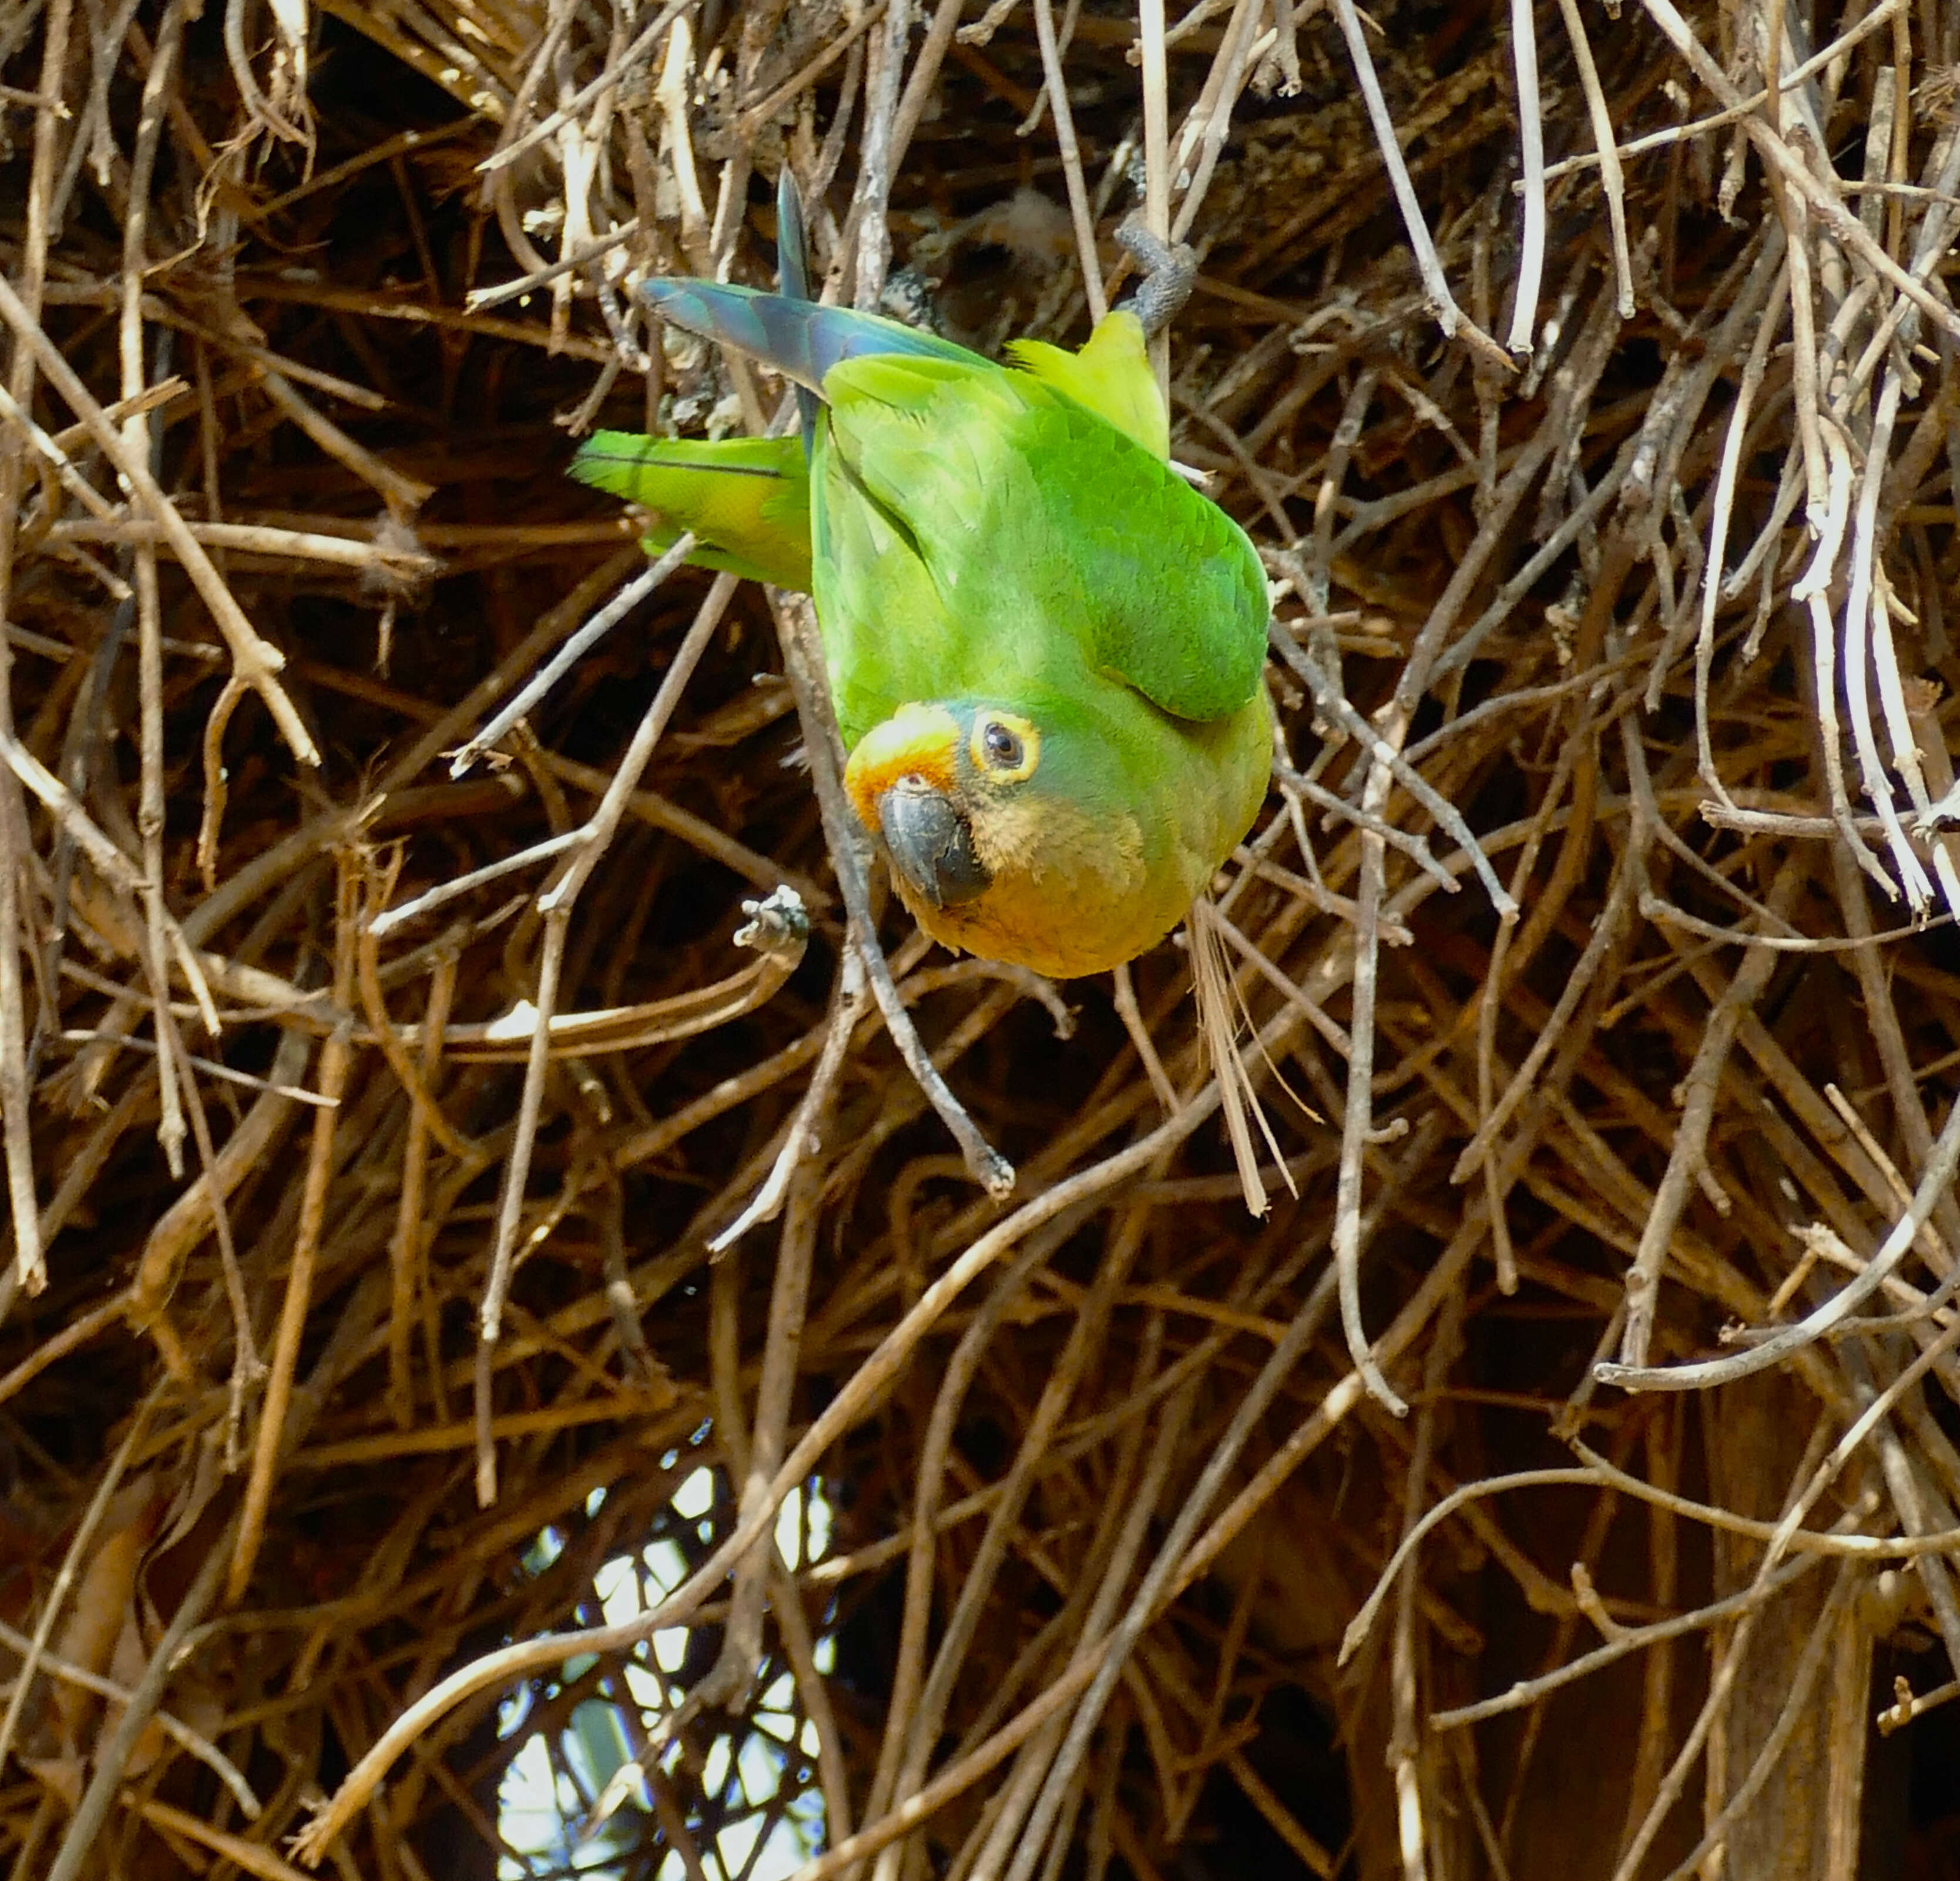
(1046, 648)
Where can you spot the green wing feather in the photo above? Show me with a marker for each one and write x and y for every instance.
(746, 499)
(1052, 538)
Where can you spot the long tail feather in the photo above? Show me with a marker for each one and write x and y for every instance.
(792, 240)
(793, 284)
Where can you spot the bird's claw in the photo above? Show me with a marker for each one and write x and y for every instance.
(1169, 269)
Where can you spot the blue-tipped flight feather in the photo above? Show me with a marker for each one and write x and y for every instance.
(799, 339)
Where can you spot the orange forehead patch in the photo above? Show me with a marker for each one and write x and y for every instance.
(920, 741)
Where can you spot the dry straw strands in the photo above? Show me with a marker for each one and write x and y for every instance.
(485, 1358)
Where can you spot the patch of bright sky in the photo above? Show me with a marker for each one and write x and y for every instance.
(793, 1529)
(695, 1496)
(539, 1815)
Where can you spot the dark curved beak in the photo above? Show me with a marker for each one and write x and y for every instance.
(930, 843)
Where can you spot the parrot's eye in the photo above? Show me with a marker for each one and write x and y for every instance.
(1005, 749)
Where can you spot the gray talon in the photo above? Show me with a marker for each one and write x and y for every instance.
(1168, 271)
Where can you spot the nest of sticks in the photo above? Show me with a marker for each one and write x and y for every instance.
(499, 1367)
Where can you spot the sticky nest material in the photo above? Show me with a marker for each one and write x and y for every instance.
(1560, 1480)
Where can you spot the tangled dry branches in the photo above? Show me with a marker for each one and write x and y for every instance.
(491, 1355)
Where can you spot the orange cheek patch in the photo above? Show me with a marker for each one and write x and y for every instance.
(919, 740)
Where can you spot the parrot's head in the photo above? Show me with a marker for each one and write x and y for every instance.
(1008, 833)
